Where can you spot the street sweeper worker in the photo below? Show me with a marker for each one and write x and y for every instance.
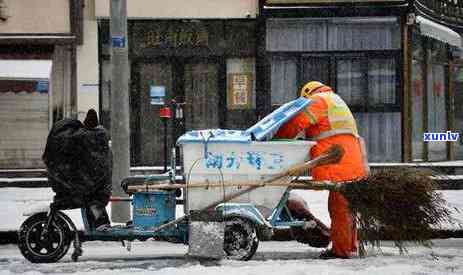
(328, 120)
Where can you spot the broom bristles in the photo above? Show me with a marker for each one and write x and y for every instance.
(400, 203)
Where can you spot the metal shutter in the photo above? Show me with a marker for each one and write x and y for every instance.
(24, 129)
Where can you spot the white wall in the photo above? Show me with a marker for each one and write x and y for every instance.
(87, 64)
(33, 16)
(184, 8)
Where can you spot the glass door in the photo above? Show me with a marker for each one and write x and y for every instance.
(150, 140)
(201, 89)
(316, 69)
(195, 83)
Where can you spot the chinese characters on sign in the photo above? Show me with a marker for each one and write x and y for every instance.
(239, 90)
(176, 36)
(253, 159)
(145, 211)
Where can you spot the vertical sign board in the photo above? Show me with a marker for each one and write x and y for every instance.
(157, 94)
(239, 92)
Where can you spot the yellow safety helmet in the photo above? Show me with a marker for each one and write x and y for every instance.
(310, 87)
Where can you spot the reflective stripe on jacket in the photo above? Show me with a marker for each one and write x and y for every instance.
(339, 119)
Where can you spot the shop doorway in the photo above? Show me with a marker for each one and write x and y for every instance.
(193, 82)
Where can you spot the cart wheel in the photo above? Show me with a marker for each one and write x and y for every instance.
(48, 248)
(241, 240)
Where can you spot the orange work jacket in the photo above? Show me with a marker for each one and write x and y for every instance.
(329, 121)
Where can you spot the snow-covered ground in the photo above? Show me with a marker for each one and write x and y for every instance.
(279, 258)
(150, 257)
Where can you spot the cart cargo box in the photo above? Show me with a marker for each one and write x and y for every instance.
(224, 156)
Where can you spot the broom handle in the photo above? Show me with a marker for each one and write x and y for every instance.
(332, 156)
(309, 185)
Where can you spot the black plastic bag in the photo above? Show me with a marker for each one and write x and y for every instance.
(79, 164)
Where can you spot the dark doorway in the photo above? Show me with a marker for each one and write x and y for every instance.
(193, 82)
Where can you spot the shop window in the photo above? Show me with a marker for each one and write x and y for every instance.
(429, 85)
(382, 82)
(383, 112)
(350, 82)
(363, 34)
(437, 111)
(417, 102)
(368, 84)
(333, 34)
(417, 47)
(149, 133)
(438, 51)
(316, 68)
(457, 84)
(284, 84)
(369, 87)
(437, 97)
(201, 96)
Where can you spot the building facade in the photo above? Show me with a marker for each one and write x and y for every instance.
(37, 57)
(203, 56)
(358, 52)
(49, 71)
(395, 67)
(436, 78)
(226, 64)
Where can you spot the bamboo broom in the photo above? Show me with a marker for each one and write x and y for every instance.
(401, 203)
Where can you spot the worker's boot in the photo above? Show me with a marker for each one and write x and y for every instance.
(329, 254)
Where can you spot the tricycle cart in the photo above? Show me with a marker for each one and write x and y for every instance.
(215, 164)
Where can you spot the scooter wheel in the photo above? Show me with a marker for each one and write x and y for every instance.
(241, 239)
(44, 248)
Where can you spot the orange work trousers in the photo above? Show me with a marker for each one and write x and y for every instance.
(343, 231)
